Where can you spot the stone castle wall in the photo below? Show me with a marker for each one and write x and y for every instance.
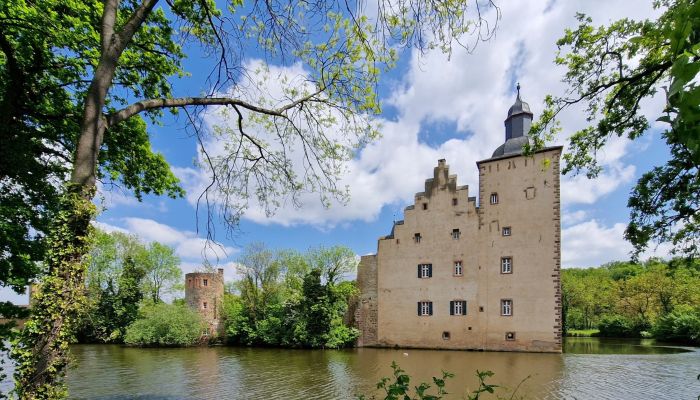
(204, 292)
(528, 204)
(366, 306)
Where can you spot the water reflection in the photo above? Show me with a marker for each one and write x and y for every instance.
(619, 346)
(635, 371)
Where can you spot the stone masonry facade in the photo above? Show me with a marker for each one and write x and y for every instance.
(204, 293)
(480, 273)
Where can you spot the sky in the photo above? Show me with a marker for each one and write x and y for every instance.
(434, 107)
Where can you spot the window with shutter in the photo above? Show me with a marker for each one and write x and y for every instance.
(425, 270)
(425, 308)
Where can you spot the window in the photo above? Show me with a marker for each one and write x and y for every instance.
(425, 206)
(204, 305)
(206, 282)
(445, 335)
(458, 307)
(458, 268)
(454, 202)
(455, 234)
(425, 308)
(506, 231)
(481, 308)
(416, 238)
(506, 265)
(494, 198)
(530, 193)
(425, 270)
(510, 335)
(507, 307)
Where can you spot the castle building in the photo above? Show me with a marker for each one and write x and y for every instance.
(204, 293)
(458, 273)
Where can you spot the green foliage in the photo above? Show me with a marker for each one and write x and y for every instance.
(121, 273)
(681, 325)
(161, 324)
(617, 326)
(284, 302)
(162, 271)
(625, 299)
(398, 387)
(60, 297)
(612, 69)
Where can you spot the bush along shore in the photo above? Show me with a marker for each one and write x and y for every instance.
(655, 299)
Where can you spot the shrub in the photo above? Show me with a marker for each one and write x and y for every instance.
(165, 325)
(616, 326)
(681, 325)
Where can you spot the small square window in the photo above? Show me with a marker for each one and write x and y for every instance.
(206, 282)
(446, 335)
(469, 328)
(506, 265)
(506, 231)
(494, 198)
(454, 202)
(416, 238)
(507, 307)
(425, 206)
(510, 335)
(481, 308)
(455, 234)
(204, 305)
(458, 268)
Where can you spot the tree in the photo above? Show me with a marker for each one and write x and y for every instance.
(162, 270)
(260, 284)
(114, 283)
(333, 262)
(613, 69)
(110, 63)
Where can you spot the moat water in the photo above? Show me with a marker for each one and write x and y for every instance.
(590, 368)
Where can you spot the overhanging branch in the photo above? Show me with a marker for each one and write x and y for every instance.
(180, 102)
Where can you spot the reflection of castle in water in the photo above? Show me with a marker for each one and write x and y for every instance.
(204, 292)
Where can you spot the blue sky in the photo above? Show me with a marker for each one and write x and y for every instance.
(433, 108)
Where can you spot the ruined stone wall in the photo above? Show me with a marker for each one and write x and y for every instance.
(366, 316)
(204, 293)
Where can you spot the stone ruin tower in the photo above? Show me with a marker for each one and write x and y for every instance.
(204, 293)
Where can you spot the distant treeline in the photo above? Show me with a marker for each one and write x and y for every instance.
(655, 298)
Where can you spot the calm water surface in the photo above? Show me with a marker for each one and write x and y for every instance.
(590, 369)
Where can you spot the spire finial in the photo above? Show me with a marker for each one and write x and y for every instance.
(518, 87)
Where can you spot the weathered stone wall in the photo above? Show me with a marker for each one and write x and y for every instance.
(204, 292)
(528, 192)
(366, 317)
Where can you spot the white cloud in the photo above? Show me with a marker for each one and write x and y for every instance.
(474, 92)
(187, 244)
(591, 243)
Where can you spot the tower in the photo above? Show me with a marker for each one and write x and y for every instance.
(204, 293)
(472, 272)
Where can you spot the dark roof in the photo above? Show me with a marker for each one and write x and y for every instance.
(511, 146)
(519, 107)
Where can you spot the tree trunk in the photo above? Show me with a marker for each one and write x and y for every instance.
(42, 349)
